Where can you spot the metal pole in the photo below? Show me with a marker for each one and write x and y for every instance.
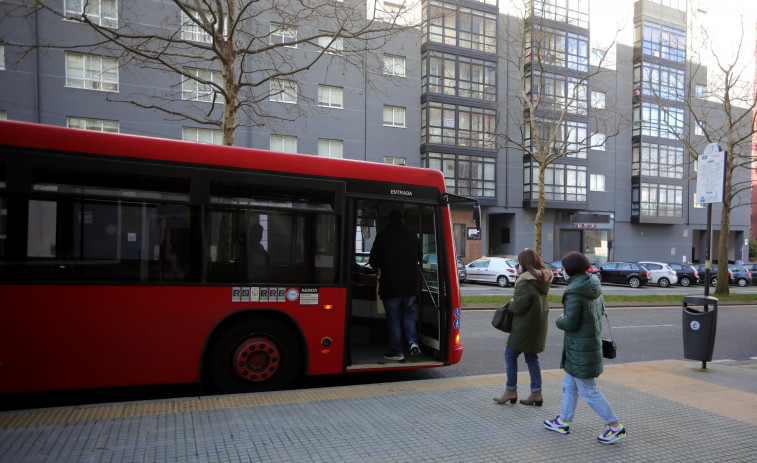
(707, 249)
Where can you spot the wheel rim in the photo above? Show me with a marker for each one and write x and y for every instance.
(664, 283)
(502, 281)
(256, 359)
(714, 282)
(742, 282)
(634, 283)
(684, 282)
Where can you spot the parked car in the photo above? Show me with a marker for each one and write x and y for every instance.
(462, 274)
(713, 275)
(687, 274)
(594, 270)
(660, 273)
(624, 273)
(558, 274)
(498, 270)
(752, 267)
(741, 275)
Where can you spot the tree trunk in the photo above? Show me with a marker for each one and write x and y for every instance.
(539, 212)
(725, 227)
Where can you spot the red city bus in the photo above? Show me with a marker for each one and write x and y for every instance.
(128, 260)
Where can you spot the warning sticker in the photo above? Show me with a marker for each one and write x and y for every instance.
(309, 296)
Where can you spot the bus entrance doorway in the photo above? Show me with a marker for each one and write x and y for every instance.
(368, 339)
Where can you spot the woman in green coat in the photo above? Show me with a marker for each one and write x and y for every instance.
(530, 308)
(582, 349)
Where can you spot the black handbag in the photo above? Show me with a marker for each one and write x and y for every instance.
(503, 318)
(609, 348)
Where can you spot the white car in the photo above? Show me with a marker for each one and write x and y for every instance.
(498, 270)
(660, 274)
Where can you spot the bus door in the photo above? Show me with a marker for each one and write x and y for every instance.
(368, 339)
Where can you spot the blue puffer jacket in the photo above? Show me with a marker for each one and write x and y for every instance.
(582, 323)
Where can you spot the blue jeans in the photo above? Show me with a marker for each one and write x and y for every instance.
(511, 366)
(400, 314)
(572, 386)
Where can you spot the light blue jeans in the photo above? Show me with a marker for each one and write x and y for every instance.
(511, 366)
(400, 314)
(572, 387)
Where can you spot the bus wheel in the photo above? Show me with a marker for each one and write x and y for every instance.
(254, 355)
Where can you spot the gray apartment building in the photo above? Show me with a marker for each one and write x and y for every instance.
(437, 100)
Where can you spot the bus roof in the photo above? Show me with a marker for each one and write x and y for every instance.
(62, 139)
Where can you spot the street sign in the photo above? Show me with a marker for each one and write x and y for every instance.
(711, 175)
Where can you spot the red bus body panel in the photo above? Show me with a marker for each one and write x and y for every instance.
(132, 335)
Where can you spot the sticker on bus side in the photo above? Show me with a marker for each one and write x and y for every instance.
(308, 296)
(271, 294)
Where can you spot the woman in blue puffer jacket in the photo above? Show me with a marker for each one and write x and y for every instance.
(582, 349)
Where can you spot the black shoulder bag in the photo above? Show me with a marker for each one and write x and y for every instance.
(609, 348)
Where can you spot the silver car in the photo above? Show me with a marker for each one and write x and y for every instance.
(660, 273)
(498, 270)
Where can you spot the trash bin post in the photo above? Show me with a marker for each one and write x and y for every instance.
(699, 327)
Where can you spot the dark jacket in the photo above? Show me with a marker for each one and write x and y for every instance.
(396, 252)
(582, 323)
(530, 308)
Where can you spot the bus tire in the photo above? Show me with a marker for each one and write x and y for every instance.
(253, 355)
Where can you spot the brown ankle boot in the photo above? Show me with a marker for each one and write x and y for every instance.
(534, 399)
(509, 395)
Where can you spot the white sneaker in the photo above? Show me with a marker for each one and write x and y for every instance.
(391, 356)
(414, 349)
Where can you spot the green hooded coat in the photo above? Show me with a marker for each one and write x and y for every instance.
(530, 308)
(582, 323)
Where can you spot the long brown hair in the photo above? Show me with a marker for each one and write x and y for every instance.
(531, 262)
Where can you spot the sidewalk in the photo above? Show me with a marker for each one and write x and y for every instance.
(674, 411)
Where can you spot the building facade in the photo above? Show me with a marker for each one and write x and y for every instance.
(442, 100)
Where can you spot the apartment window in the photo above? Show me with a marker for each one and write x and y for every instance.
(330, 96)
(91, 72)
(699, 129)
(283, 91)
(464, 174)
(573, 12)
(598, 100)
(458, 125)
(462, 27)
(657, 200)
(330, 43)
(101, 12)
(283, 143)
(394, 116)
(660, 81)
(562, 182)
(98, 125)
(395, 160)
(572, 138)
(329, 148)
(597, 182)
(598, 142)
(197, 135)
(658, 121)
(597, 57)
(459, 75)
(200, 85)
(657, 160)
(281, 33)
(559, 48)
(662, 41)
(394, 65)
(558, 92)
(191, 30)
(700, 90)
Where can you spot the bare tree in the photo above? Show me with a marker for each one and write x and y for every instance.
(551, 112)
(235, 52)
(721, 107)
